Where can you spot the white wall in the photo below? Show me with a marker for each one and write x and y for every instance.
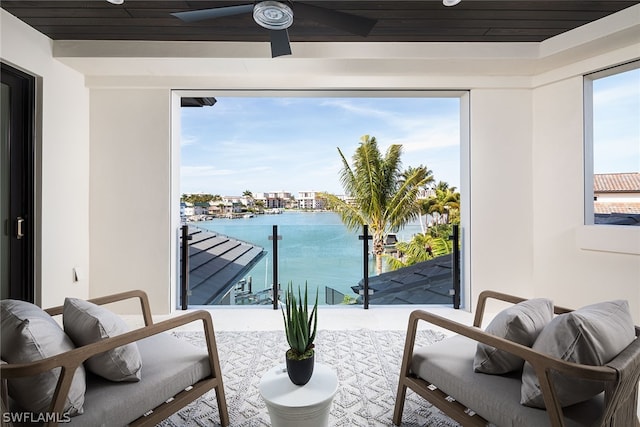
(526, 152)
(563, 267)
(63, 163)
(501, 205)
(130, 193)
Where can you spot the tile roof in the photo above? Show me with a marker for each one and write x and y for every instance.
(616, 182)
(216, 263)
(427, 282)
(616, 207)
(617, 219)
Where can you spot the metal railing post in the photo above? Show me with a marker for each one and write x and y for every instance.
(365, 254)
(456, 266)
(184, 268)
(274, 237)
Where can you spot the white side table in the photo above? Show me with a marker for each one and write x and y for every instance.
(290, 405)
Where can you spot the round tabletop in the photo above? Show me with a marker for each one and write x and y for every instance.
(277, 389)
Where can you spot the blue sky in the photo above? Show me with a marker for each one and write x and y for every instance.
(290, 144)
(616, 130)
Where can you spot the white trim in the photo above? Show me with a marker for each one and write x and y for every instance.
(588, 150)
(618, 239)
(174, 233)
(465, 199)
(465, 175)
(588, 117)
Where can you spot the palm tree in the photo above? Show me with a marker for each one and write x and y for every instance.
(421, 247)
(197, 198)
(378, 193)
(445, 200)
(429, 179)
(248, 195)
(427, 185)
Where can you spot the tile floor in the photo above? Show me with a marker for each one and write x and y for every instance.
(262, 318)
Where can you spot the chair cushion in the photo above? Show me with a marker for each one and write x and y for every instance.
(448, 364)
(592, 335)
(87, 323)
(170, 366)
(29, 334)
(520, 323)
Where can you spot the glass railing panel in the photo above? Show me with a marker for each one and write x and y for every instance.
(231, 262)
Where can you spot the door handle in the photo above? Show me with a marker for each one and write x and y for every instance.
(19, 225)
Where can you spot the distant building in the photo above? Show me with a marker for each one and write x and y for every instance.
(201, 208)
(187, 210)
(249, 202)
(274, 199)
(616, 193)
(425, 193)
(216, 208)
(228, 208)
(350, 200)
(231, 199)
(311, 200)
(284, 195)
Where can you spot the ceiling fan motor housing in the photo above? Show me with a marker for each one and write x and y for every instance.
(277, 17)
(273, 15)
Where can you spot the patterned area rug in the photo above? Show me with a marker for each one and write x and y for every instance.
(367, 363)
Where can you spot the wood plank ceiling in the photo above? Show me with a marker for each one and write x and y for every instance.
(401, 21)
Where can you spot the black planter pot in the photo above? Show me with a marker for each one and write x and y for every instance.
(300, 371)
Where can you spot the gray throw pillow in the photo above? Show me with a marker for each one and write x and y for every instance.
(29, 334)
(87, 323)
(520, 323)
(592, 335)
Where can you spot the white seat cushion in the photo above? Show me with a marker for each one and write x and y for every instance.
(448, 364)
(170, 365)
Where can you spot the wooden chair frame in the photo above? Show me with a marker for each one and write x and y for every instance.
(621, 375)
(71, 360)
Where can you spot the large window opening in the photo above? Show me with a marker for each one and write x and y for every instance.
(254, 165)
(612, 146)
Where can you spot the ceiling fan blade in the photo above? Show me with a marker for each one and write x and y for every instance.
(353, 24)
(218, 12)
(280, 43)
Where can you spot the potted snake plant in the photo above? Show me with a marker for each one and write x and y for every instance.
(300, 327)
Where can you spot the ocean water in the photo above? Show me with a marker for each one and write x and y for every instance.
(315, 248)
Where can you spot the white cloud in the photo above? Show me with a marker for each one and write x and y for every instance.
(290, 143)
(362, 110)
(203, 171)
(439, 136)
(186, 140)
(617, 95)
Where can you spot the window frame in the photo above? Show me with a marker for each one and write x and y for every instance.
(588, 80)
(463, 95)
(617, 239)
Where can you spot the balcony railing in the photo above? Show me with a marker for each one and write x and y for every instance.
(223, 269)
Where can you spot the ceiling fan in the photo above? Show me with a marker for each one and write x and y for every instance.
(277, 16)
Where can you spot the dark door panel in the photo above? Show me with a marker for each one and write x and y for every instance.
(17, 187)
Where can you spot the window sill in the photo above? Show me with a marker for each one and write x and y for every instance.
(609, 238)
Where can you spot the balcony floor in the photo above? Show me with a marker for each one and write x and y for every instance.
(262, 318)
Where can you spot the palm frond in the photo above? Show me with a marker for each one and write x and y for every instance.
(394, 263)
(383, 195)
(347, 177)
(350, 215)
